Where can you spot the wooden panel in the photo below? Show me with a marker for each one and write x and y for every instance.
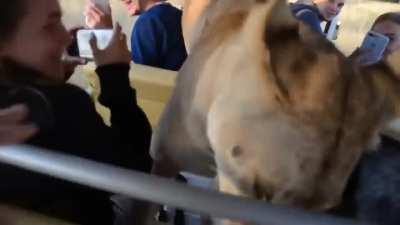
(16, 216)
(154, 88)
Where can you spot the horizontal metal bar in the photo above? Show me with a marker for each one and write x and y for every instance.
(159, 190)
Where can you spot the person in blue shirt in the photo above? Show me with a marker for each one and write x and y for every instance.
(315, 12)
(156, 38)
(388, 24)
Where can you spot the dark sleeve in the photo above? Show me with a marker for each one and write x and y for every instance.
(146, 41)
(128, 120)
(309, 17)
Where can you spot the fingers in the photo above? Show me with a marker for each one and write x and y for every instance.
(70, 63)
(74, 60)
(115, 52)
(124, 42)
(91, 8)
(13, 134)
(13, 114)
(91, 15)
(93, 44)
(12, 127)
(366, 51)
(119, 37)
(97, 10)
(116, 33)
(97, 17)
(123, 37)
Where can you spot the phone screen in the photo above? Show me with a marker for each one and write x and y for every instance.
(83, 36)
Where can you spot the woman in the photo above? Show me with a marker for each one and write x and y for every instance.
(32, 42)
(373, 191)
(388, 24)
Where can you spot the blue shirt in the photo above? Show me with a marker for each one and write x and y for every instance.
(157, 38)
(308, 14)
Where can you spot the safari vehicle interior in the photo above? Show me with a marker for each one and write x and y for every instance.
(154, 86)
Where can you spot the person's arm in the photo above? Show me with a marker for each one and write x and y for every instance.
(357, 55)
(127, 118)
(311, 18)
(146, 41)
(97, 18)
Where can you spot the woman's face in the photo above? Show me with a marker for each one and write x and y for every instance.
(40, 39)
(391, 30)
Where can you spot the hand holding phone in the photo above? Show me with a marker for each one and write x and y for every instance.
(98, 14)
(103, 5)
(373, 46)
(116, 51)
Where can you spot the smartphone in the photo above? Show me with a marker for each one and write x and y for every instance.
(103, 36)
(374, 45)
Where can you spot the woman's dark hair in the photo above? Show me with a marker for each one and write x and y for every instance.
(11, 15)
(390, 16)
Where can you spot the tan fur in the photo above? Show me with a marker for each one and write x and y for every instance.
(192, 12)
(271, 108)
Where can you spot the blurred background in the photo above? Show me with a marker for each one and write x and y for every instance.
(355, 19)
(73, 13)
(155, 87)
(73, 17)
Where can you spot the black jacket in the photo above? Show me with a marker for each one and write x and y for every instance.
(372, 194)
(78, 130)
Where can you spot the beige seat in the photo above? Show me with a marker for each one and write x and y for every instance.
(15, 216)
(153, 85)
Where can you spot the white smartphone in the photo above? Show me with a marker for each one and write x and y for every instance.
(103, 36)
(374, 45)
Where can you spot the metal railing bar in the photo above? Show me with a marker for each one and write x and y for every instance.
(160, 190)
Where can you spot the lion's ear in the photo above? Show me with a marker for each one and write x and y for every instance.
(193, 20)
(279, 16)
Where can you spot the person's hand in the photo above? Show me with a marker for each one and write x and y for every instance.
(70, 63)
(96, 18)
(13, 128)
(116, 52)
(358, 54)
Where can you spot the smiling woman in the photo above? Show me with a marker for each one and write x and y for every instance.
(50, 40)
(31, 58)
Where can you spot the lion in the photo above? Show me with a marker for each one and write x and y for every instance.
(270, 108)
